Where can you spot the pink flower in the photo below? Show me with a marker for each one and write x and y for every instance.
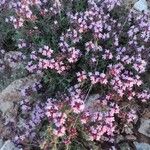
(81, 76)
(77, 105)
(59, 118)
(60, 131)
(131, 116)
(107, 55)
(84, 117)
(46, 51)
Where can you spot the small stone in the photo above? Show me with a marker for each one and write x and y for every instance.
(131, 137)
(145, 127)
(142, 146)
(146, 113)
(141, 5)
(128, 130)
(8, 145)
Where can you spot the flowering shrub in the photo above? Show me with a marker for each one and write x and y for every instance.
(98, 51)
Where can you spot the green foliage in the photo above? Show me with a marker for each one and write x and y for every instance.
(55, 82)
(79, 5)
(7, 41)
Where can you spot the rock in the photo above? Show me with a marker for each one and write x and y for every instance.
(141, 5)
(13, 67)
(8, 145)
(91, 100)
(12, 93)
(146, 113)
(6, 106)
(9, 99)
(142, 146)
(129, 3)
(1, 143)
(145, 127)
(148, 5)
(142, 138)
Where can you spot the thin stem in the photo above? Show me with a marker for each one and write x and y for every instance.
(55, 144)
(67, 147)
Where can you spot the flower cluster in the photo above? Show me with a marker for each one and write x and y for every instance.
(98, 78)
(33, 113)
(76, 100)
(103, 121)
(97, 119)
(12, 58)
(44, 63)
(100, 53)
(131, 116)
(103, 54)
(28, 130)
(21, 43)
(144, 95)
(59, 118)
(24, 12)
